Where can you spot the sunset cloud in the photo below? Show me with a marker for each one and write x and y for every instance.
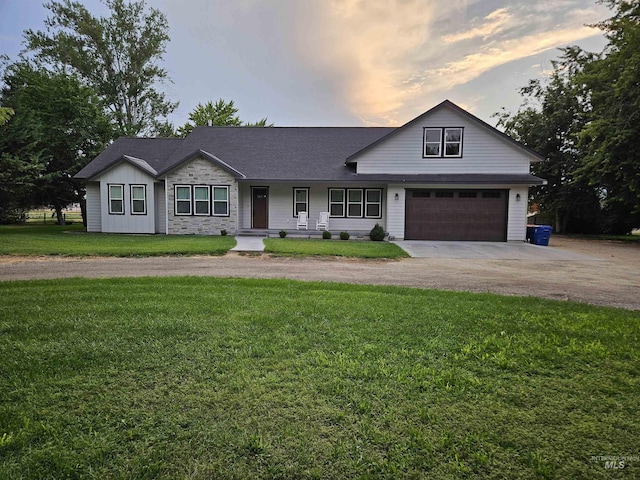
(392, 55)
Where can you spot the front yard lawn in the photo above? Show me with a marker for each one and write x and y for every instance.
(71, 240)
(340, 248)
(234, 378)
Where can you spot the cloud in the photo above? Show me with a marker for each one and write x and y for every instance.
(393, 55)
(492, 55)
(496, 22)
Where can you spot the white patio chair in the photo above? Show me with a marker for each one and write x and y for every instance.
(303, 221)
(323, 221)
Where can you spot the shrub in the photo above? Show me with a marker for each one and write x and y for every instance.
(223, 232)
(377, 233)
(326, 235)
(282, 233)
(12, 216)
(344, 235)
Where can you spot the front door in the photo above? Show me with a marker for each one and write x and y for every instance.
(259, 207)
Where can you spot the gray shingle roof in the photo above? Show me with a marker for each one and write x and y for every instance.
(274, 153)
(310, 154)
(155, 152)
(283, 153)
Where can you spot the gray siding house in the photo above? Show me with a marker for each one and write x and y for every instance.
(446, 175)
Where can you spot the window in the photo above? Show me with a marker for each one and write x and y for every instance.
(336, 202)
(432, 142)
(444, 194)
(300, 200)
(443, 142)
(183, 200)
(138, 199)
(421, 194)
(116, 199)
(452, 142)
(373, 203)
(201, 200)
(220, 201)
(492, 194)
(466, 194)
(354, 203)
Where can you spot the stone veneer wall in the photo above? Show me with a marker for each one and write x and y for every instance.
(201, 172)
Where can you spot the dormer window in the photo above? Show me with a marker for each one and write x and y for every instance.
(442, 142)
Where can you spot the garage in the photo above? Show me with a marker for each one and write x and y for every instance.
(456, 215)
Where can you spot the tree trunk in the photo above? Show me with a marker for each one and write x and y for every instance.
(83, 210)
(60, 215)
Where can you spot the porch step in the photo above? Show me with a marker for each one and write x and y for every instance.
(248, 244)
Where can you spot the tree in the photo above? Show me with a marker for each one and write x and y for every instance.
(611, 139)
(59, 125)
(550, 121)
(117, 56)
(221, 114)
(5, 114)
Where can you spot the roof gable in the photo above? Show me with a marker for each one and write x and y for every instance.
(207, 156)
(149, 154)
(447, 104)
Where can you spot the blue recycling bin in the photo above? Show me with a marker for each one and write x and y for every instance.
(542, 234)
(539, 234)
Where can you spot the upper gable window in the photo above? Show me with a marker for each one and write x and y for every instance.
(432, 142)
(442, 142)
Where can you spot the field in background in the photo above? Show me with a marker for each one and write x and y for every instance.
(45, 216)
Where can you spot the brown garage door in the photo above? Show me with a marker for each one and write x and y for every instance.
(479, 215)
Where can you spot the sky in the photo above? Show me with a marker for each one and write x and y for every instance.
(350, 62)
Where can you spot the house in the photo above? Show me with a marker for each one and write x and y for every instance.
(446, 175)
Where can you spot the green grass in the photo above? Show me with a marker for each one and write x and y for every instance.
(340, 248)
(220, 378)
(71, 240)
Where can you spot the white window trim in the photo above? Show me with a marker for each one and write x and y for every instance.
(442, 146)
(379, 203)
(110, 198)
(343, 202)
(444, 142)
(196, 201)
(295, 200)
(424, 143)
(144, 198)
(175, 200)
(349, 202)
(214, 201)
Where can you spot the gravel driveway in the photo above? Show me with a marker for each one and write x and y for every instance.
(604, 273)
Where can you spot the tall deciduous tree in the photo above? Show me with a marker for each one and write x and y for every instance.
(611, 139)
(220, 114)
(59, 125)
(117, 56)
(550, 122)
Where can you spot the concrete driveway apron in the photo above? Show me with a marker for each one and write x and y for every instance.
(486, 250)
